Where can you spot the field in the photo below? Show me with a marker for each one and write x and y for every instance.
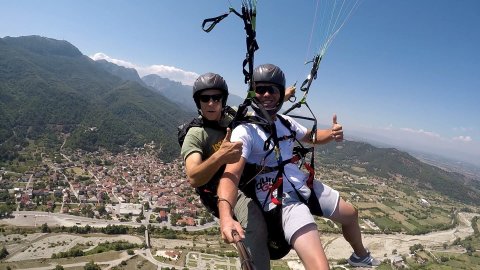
(32, 250)
(393, 215)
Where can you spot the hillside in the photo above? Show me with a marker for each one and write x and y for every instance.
(48, 87)
(390, 163)
(127, 74)
(181, 94)
(174, 91)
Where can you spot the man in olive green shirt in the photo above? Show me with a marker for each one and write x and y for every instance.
(207, 148)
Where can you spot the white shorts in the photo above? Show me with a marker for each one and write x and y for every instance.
(296, 214)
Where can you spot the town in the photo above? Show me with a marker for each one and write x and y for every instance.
(102, 185)
(137, 189)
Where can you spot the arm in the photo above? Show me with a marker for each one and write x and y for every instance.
(324, 136)
(289, 92)
(227, 197)
(199, 171)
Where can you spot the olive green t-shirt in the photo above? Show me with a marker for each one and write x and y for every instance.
(204, 140)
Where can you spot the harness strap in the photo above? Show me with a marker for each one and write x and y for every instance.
(299, 154)
(311, 175)
(214, 21)
(277, 185)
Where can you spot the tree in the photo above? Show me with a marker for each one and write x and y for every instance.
(91, 266)
(415, 248)
(58, 267)
(146, 206)
(3, 253)
(45, 228)
(101, 209)
(5, 210)
(141, 229)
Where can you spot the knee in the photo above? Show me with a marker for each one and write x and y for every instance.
(348, 214)
(352, 213)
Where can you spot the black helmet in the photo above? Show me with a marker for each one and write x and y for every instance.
(268, 73)
(210, 81)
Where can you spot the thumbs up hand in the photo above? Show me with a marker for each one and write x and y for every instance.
(228, 136)
(230, 152)
(337, 131)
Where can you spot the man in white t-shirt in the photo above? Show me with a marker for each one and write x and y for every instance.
(297, 221)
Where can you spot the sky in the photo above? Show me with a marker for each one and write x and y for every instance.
(404, 73)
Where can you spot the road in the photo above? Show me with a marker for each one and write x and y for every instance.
(380, 244)
(33, 218)
(335, 245)
(105, 265)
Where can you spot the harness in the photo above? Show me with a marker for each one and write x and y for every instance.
(208, 192)
(277, 244)
(336, 19)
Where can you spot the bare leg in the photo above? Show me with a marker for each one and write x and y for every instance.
(306, 243)
(347, 215)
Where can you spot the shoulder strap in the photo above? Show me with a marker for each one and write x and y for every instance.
(285, 122)
(182, 130)
(288, 125)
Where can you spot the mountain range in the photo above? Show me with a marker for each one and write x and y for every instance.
(50, 93)
(48, 87)
(179, 93)
(391, 163)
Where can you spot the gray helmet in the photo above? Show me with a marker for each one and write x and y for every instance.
(268, 73)
(210, 81)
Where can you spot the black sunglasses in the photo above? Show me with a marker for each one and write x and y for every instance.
(261, 90)
(207, 98)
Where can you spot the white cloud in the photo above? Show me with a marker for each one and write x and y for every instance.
(421, 131)
(99, 56)
(389, 127)
(462, 129)
(462, 138)
(172, 73)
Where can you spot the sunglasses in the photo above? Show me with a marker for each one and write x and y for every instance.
(261, 90)
(207, 98)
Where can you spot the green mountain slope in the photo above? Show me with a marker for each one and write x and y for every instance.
(127, 74)
(47, 87)
(390, 163)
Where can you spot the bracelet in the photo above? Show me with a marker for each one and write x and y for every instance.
(225, 200)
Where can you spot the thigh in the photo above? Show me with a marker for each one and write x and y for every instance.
(327, 197)
(294, 217)
(308, 246)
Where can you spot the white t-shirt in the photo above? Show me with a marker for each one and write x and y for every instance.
(253, 138)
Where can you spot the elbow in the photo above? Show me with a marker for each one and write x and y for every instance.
(193, 182)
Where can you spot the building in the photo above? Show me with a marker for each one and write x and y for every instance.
(129, 208)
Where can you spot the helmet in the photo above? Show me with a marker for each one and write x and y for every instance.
(210, 81)
(268, 73)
